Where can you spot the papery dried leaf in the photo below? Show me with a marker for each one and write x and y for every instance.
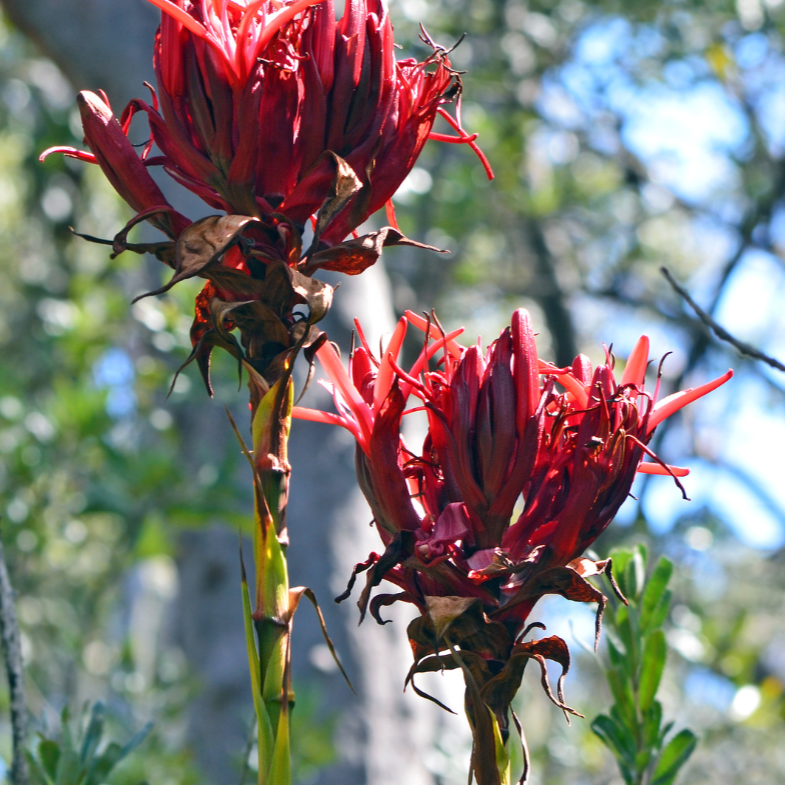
(252, 318)
(445, 662)
(566, 582)
(164, 251)
(310, 347)
(295, 595)
(317, 295)
(394, 553)
(202, 352)
(462, 620)
(202, 244)
(345, 185)
(358, 568)
(383, 600)
(481, 719)
(499, 691)
(354, 256)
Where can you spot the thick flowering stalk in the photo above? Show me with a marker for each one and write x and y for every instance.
(505, 431)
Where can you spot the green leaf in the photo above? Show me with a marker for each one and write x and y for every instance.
(502, 756)
(627, 628)
(651, 726)
(38, 776)
(280, 772)
(93, 733)
(69, 772)
(635, 574)
(265, 738)
(655, 651)
(104, 763)
(615, 738)
(674, 756)
(654, 592)
(661, 611)
(620, 561)
(136, 739)
(49, 754)
(113, 754)
(624, 701)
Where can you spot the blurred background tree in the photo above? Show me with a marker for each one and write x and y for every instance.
(624, 139)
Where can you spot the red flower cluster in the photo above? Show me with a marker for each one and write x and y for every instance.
(505, 429)
(276, 114)
(260, 99)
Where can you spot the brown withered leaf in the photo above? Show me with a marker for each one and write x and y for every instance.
(499, 691)
(202, 352)
(251, 318)
(164, 252)
(202, 244)
(354, 256)
(568, 583)
(587, 568)
(483, 761)
(295, 596)
(463, 620)
(447, 662)
(318, 295)
(345, 185)
(358, 568)
(316, 339)
(120, 242)
(383, 600)
(394, 553)
(233, 280)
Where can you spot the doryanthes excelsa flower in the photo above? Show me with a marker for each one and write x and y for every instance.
(523, 466)
(257, 99)
(276, 114)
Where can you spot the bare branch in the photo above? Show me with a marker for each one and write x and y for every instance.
(720, 332)
(9, 632)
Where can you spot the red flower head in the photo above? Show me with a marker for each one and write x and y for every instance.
(274, 113)
(260, 101)
(504, 429)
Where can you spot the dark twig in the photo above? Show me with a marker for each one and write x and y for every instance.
(720, 332)
(9, 632)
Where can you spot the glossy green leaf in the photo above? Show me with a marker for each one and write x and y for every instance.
(634, 574)
(676, 753)
(654, 593)
(655, 652)
(615, 738)
(620, 561)
(623, 697)
(652, 719)
(660, 613)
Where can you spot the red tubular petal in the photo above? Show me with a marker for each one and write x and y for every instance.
(525, 369)
(635, 371)
(181, 16)
(454, 348)
(670, 471)
(434, 137)
(667, 406)
(70, 152)
(385, 378)
(338, 376)
(120, 163)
